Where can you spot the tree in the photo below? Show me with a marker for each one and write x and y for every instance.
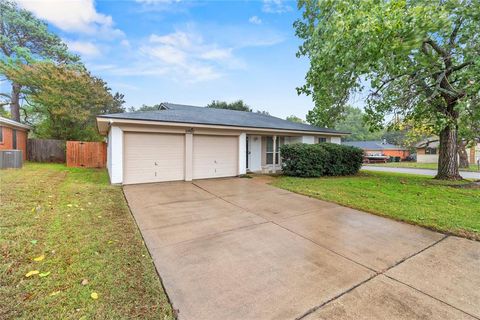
(24, 37)
(420, 59)
(294, 118)
(62, 101)
(238, 105)
(353, 122)
(144, 107)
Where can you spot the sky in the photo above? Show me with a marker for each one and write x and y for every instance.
(187, 52)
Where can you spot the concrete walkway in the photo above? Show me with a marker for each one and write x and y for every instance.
(239, 249)
(427, 172)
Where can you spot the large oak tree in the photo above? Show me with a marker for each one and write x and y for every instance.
(419, 60)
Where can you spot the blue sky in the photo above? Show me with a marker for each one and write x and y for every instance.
(188, 52)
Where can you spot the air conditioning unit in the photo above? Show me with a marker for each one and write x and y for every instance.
(11, 159)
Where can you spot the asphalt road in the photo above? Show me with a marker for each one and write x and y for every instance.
(427, 172)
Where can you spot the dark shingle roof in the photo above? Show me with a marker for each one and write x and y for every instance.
(201, 115)
(372, 145)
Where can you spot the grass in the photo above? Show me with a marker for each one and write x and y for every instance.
(419, 200)
(416, 165)
(83, 228)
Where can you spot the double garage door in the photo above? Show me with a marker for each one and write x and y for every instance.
(154, 157)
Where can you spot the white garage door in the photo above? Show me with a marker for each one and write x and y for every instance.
(215, 156)
(153, 157)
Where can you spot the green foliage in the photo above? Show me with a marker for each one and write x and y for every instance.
(24, 38)
(238, 105)
(144, 107)
(419, 57)
(354, 123)
(294, 118)
(323, 159)
(62, 100)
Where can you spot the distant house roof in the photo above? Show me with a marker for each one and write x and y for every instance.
(14, 124)
(373, 145)
(209, 116)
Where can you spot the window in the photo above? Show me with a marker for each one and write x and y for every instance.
(322, 139)
(1, 134)
(429, 150)
(270, 150)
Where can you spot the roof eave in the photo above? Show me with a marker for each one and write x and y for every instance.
(105, 118)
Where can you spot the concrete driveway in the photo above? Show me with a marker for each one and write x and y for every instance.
(240, 249)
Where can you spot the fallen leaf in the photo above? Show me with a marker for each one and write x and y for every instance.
(54, 293)
(45, 274)
(39, 258)
(33, 241)
(32, 273)
(94, 295)
(84, 282)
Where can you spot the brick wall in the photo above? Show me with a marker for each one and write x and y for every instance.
(7, 140)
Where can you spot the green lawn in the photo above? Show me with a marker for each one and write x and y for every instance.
(80, 227)
(472, 167)
(415, 199)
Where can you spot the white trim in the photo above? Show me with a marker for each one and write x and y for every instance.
(13, 123)
(105, 121)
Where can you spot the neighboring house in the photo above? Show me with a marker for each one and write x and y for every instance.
(13, 135)
(427, 151)
(379, 148)
(181, 142)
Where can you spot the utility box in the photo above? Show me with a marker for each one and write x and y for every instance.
(11, 159)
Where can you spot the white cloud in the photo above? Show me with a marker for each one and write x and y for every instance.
(255, 20)
(73, 16)
(186, 55)
(125, 43)
(276, 6)
(84, 48)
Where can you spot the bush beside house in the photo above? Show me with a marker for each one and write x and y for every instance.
(323, 159)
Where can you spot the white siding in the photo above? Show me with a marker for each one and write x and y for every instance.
(115, 155)
(427, 158)
(336, 140)
(242, 153)
(308, 139)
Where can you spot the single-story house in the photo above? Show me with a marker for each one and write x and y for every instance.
(427, 151)
(180, 142)
(13, 135)
(379, 148)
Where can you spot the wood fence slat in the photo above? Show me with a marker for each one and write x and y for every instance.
(86, 154)
(46, 150)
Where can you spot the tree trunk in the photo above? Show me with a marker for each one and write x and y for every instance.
(448, 158)
(463, 154)
(15, 102)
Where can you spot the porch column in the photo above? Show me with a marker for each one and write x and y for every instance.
(242, 153)
(274, 153)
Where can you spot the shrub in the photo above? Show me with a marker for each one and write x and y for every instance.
(323, 159)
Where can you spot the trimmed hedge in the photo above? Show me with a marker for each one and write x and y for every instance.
(322, 159)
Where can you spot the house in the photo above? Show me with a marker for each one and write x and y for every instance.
(13, 135)
(427, 151)
(180, 142)
(379, 148)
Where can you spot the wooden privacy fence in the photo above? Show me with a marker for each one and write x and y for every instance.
(46, 150)
(86, 154)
